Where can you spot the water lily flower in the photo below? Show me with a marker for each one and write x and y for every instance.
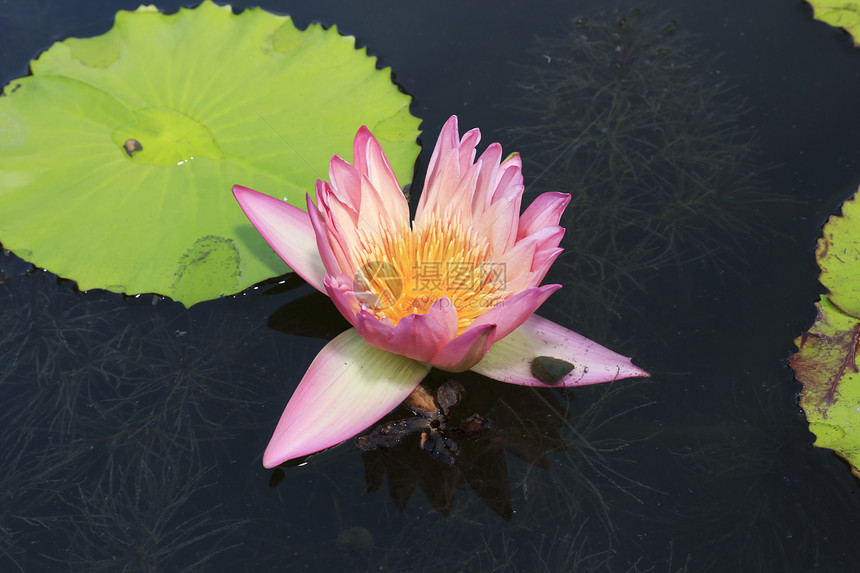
(456, 288)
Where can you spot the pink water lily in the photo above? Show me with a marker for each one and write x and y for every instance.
(456, 288)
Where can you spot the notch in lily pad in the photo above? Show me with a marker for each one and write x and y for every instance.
(137, 198)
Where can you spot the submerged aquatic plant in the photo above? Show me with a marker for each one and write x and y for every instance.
(105, 401)
(653, 150)
(455, 289)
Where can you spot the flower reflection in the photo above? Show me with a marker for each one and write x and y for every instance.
(459, 438)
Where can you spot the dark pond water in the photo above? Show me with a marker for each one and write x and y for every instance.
(132, 432)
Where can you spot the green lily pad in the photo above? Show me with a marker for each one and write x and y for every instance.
(838, 256)
(118, 153)
(828, 362)
(843, 14)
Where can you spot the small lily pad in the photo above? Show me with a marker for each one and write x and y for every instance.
(827, 362)
(118, 153)
(843, 14)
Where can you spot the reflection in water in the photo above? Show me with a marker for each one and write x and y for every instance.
(463, 441)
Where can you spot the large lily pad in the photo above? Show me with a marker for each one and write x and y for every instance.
(828, 359)
(118, 153)
(843, 14)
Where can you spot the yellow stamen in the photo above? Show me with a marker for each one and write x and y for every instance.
(404, 271)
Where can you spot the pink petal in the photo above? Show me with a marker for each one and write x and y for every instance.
(420, 336)
(545, 211)
(337, 226)
(346, 186)
(375, 331)
(339, 289)
(466, 350)
(486, 183)
(545, 239)
(530, 253)
(510, 313)
(466, 148)
(374, 209)
(544, 259)
(347, 181)
(331, 253)
(515, 161)
(444, 312)
(288, 231)
(498, 224)
(509, 360)
(460, 200)
(438, 192)
(509, 174)
(417, 336)
(449, 164)
(370, 160)
(448, 139)
(349, 386)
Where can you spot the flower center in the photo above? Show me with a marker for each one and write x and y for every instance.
(405, 271)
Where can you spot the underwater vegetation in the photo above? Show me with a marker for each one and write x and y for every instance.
(650, 141)
(113, 414)
(753, 481)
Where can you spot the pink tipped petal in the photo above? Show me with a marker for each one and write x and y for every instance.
(373, 163)
(498, 225)
(444, 312)
(418, 336)
(545, 238)
(446, 145)
(545, 211)
(466, 350)
(440, 189)
(349, 386)
(287, 229)
(530, 253)
(510, 359)
(340, 290)
(485, 185)
(545, 260)
(346, 180)
(331, 260)
(510, 313)
(460, 201)
(509, 174)
(513, 160)
(466, 148)
(449, 138)
(372, 206)
(339, 224)
(375, 331)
